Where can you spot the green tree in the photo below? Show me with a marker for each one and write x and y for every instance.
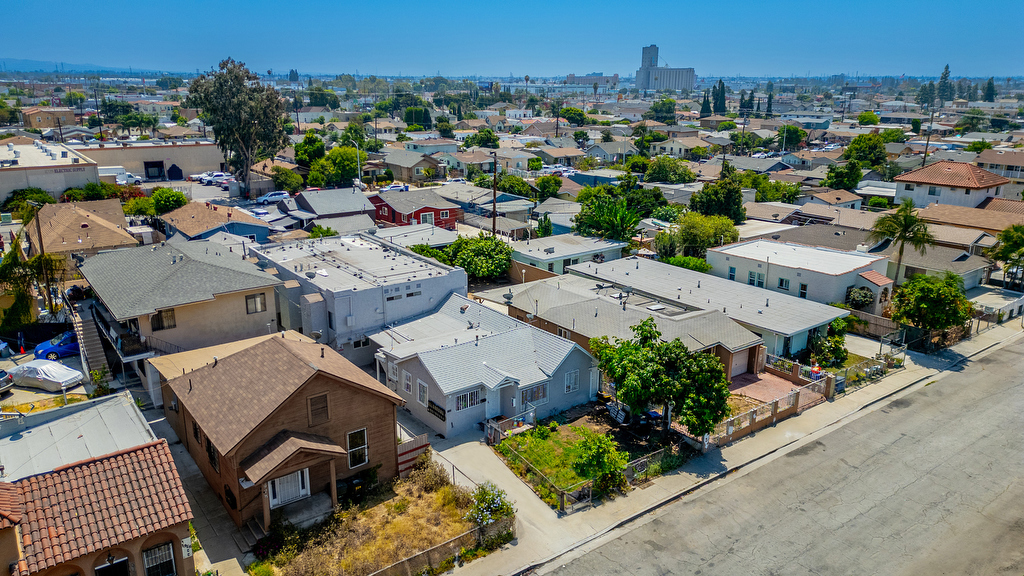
(663, 111)
(727, 125)
(722, 198)
(945, 89)
(790, 137)
(668, 212)
(140, 207)
(340, 166)
(534, 164)
(319, 96)
(1010, 251)
(637, 164)
(697, 232)
(972, 120)
(309, 150)
(689, 262)
(843, 177)
(481, 257)
(485, 138)
(510, 184)
(867, 149)
(932, 302)
(768, 190)
(978, 146)
(318, 231)
(903, 227)
(608, 218)
(445, 129)
(544, 226)
(243, 113)
(649, 371)
(878, 202)
(867, 118)
(318, 173)
(669, 170)
(168, 199)
(581, 138)
(575, 116)
(915, 125)
(990, 91)
(597, 456)
(285, 179)
(548, 187)
(893, 135)
(705, 106)
(606, 136)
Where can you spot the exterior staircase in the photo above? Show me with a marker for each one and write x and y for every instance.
(252, 532)
(89, 344)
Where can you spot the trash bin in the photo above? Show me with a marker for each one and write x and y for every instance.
(5, 350)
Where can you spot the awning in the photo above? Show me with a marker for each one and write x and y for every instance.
(262, 463)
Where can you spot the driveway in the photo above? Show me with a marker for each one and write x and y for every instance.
(927, 483)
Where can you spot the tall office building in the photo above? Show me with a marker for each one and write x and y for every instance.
(650, 76)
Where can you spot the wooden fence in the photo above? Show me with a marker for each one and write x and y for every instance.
(409, 451)
(877, 326)
(532, 273)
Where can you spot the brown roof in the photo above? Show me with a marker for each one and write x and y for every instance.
(990, 156)
(562, 152)
(18, 141)
(195, 218)
(77, 226)
(953, 174)
(11, 507)
(970, 217)
(1002, 205)
(876, 278)
(830, 196)
(258, 380)
(283, 446)
(810, 154)
(99, 503)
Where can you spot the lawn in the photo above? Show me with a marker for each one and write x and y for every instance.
(43, 404)
(851, 360)
(397, 522)
(739, 404)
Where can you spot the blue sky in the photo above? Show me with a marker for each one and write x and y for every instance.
(776, 37)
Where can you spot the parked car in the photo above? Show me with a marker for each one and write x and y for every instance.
(59, 346)
(402, 187)
(226, 184)
(128, 178)
(74, 293)
(208, 179)
(46, 374)
(6, 382)
(456, 181)
(218, 180)
(199, 177)
(272, 197)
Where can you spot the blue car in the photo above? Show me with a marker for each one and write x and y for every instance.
(62, 345)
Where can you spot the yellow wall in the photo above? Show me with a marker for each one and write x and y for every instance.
(224, 319)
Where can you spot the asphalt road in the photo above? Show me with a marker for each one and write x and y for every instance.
(930, 483)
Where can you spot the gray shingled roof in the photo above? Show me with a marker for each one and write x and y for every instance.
(407, 202)
(404, 158)
(137, 281)
(331, 202)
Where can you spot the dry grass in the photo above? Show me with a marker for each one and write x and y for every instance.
(43, 404)
(421, 515)
(740, 404)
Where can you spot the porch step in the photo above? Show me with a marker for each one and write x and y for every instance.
(90, 344)
(253, 532)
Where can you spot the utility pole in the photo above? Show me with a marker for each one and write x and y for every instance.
(494, 196)
(42, 251)
(927, 141)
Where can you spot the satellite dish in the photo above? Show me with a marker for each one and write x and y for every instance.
(311, 275)
(776, 236)
(316, 335)
(262, 264)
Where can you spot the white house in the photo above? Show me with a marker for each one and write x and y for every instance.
(948, 182)
(556, 253)
(518, 114)
(820, 274)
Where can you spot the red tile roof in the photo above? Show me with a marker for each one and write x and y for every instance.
(94, 504)
(11, 508)
(953, 174)
(876, 278)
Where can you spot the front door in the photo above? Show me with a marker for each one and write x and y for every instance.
(493, 404)
(118, 568)
(427, 218)
(294, 486)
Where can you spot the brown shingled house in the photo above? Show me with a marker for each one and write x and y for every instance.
(302, 418)
(82, 228)
(121, 514)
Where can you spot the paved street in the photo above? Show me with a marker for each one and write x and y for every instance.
(928, 483)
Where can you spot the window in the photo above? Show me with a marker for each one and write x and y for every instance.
(760, 280)
(422, 395)
(195, 432)
(413, 294)
(803, 290)
(751, 278)
(211, 453)
(551, 266)
(732, 272)
(575, 261)
(572, 381)
(395, 297)
(908, 186)
(419, 171)
(536, 395)
(384, 210)
(564, 333)
(392, 371)
(163, 320)
(783, 283)
(444, 214)
(330, 320)
(998, 188)
(357, 455)
(407, 381)
(933, 190)
(319, 412)
(255, 303)
(159, 560)
(467, 400)
(361, 343)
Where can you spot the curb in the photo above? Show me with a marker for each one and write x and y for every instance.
(677, 496)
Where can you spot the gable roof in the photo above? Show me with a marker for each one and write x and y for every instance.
(969, 217)
(990, 156)
(406, 158)
(136, 281)
(195, 218)
(281, 365)
(1002, 205)
(409, 201)
(333, 201)
(618, 147)
(769, 211)
(876, 278)
(79, 226)
(831, 196)
(953, 174)
(98, 503)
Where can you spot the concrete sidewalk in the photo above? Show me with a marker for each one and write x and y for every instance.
(542, 535)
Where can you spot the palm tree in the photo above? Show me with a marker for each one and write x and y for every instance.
(903, 227)
(1010, 251)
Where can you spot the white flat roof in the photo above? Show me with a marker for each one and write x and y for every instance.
(564, 246)
(752, 228)
(812, 258)
(35, 156)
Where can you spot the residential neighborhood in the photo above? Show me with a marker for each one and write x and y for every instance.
(268, 320)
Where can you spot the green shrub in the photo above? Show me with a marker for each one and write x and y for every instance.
(490, 503)
(260, 568)
(167, 199)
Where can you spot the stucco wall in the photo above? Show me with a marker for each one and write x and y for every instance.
(224, 319)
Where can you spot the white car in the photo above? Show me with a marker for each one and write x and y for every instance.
(395, 186)
(128, 178)
(272, 197)
(831, 147)
(208, 179)
(199, 177)
(46, 374)
(455, 181)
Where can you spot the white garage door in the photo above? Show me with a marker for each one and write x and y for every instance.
(739, 362)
